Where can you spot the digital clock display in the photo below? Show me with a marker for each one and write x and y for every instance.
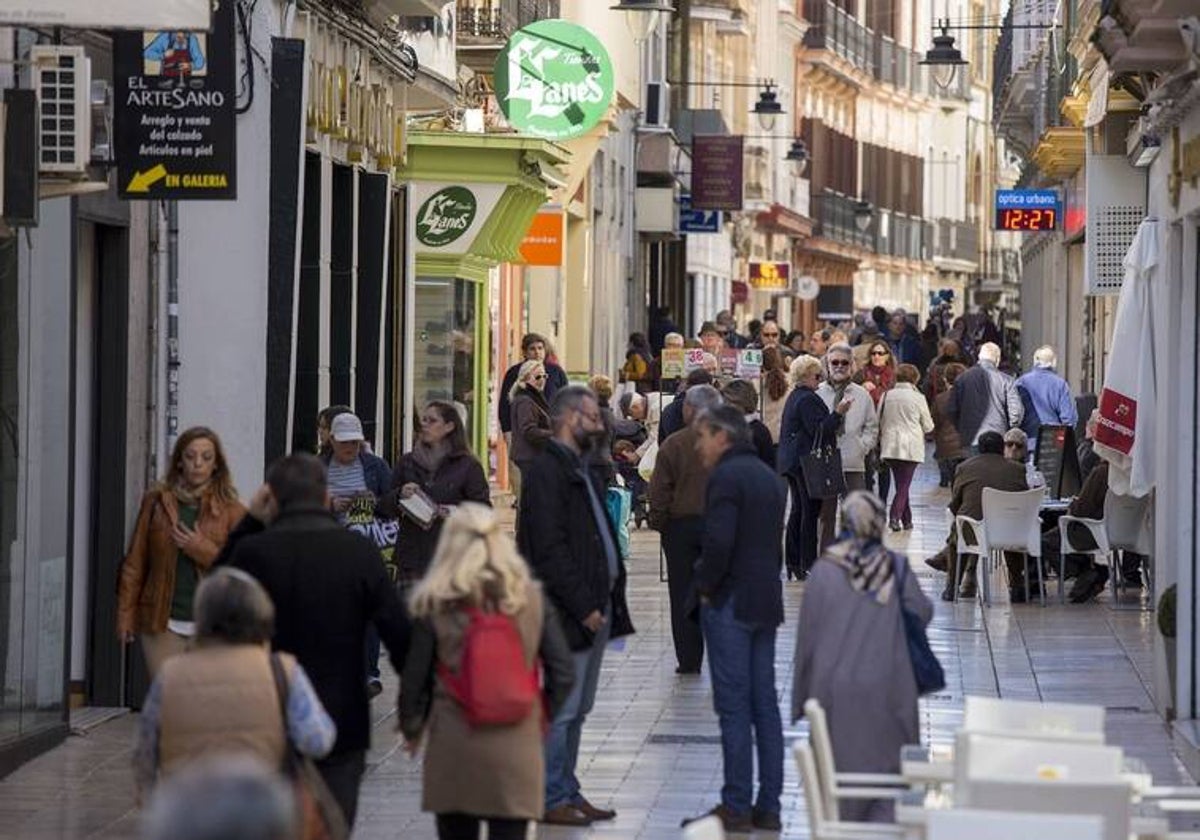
(1012, 218)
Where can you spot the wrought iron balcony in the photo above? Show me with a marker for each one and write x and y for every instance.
(956, 240)
(834, 215)
(834, 29)
(495, 20)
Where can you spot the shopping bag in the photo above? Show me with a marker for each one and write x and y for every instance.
(822, 470)
(619, 502)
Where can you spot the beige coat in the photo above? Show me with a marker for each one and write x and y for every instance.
(903, 423)
(772, 412)
(493, 771)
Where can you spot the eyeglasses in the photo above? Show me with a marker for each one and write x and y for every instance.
(538, 377)
(1013, 443)
(879, 352)
(770, 335)
(839, 363)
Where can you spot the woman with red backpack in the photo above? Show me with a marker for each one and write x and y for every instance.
(483, 635)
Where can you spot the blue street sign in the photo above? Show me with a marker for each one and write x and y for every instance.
(697, 221)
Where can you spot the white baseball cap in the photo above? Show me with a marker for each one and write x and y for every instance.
(345, 428)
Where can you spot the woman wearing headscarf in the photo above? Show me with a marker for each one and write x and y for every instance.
(852, 653)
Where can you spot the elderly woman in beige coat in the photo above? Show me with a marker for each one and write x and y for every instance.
(904, 420)
(493, 773)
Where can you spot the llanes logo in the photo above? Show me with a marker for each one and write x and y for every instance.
(445, 216)
(554, 80)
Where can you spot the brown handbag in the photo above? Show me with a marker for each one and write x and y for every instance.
(321, 817)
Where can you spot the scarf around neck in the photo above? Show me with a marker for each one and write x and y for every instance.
(430, 456)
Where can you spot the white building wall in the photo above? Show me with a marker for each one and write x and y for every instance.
(223, 292)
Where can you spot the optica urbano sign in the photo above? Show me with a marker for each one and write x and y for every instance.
(445, 216)
(554, 80)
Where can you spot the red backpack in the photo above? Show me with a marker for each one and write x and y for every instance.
(493, 685)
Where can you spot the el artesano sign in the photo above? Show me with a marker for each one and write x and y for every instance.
(554, 80)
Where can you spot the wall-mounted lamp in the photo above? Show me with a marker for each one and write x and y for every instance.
(943, 59)
(768, 108)
(797, 155)
(863, 213)
(642, 16)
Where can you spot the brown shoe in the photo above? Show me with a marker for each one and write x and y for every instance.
(938, 562)
(732, 822)
(593, 813)
(566, 815)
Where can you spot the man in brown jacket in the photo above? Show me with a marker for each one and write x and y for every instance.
(677, 512)
(987, 469)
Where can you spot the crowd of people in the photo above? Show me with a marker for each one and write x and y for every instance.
(257, 643)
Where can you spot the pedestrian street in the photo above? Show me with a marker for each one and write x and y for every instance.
(651, 748)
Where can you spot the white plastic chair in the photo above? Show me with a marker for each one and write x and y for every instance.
(835, 785)
(1108, 800)
(1030, 719)
(971, 824)
(1125, 527)
(1128, 521)
(711, 828)
(1010, 523)
(824, 826)
(1024, 759)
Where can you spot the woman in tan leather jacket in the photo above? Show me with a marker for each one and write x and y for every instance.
(181, 528)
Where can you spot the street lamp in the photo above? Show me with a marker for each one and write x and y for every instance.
(642, 16)
(798, 156)
(863, 212)
(943, 58)
(767, 108)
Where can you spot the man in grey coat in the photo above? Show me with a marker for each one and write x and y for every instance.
(859, 432)
(984, 399)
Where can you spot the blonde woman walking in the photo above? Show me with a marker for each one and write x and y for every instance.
(481, 764)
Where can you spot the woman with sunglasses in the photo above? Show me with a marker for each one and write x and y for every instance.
(530, 414)
(879, 377)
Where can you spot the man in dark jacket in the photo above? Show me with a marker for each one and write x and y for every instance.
(328, 584)
(677, 490)
(741, 597)
(567, 538)
(984, 399)
(987, 469)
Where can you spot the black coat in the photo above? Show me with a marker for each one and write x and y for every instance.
(804, 414)
(741, 552)
(556, 378)
(459, 478)
(327, 584)
(558, 537)
(764, 445)
(671, 419)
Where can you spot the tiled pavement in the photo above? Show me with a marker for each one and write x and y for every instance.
(651, 748)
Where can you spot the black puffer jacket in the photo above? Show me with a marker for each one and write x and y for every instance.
(557, 534)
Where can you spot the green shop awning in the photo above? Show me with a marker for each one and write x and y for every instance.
(473, 196)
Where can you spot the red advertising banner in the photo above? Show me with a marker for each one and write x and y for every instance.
(717, 172)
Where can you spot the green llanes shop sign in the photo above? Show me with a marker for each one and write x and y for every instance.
(445, 216)
(554, 80)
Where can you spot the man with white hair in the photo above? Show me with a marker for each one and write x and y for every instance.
(984, 399)
(672, 341)
(1046, 396)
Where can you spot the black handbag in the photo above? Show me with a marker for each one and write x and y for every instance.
(926, 668)
(821, 469)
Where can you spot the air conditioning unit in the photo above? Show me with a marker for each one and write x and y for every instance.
(61, 77)
(658, 105)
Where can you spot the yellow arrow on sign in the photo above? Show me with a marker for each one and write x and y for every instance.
(142, 181)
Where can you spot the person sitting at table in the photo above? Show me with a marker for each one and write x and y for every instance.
(987, 469)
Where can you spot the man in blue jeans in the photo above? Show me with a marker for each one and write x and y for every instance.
(741, 605)
(566, 536)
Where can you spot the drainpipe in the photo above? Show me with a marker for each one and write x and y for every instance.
(172, 323)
